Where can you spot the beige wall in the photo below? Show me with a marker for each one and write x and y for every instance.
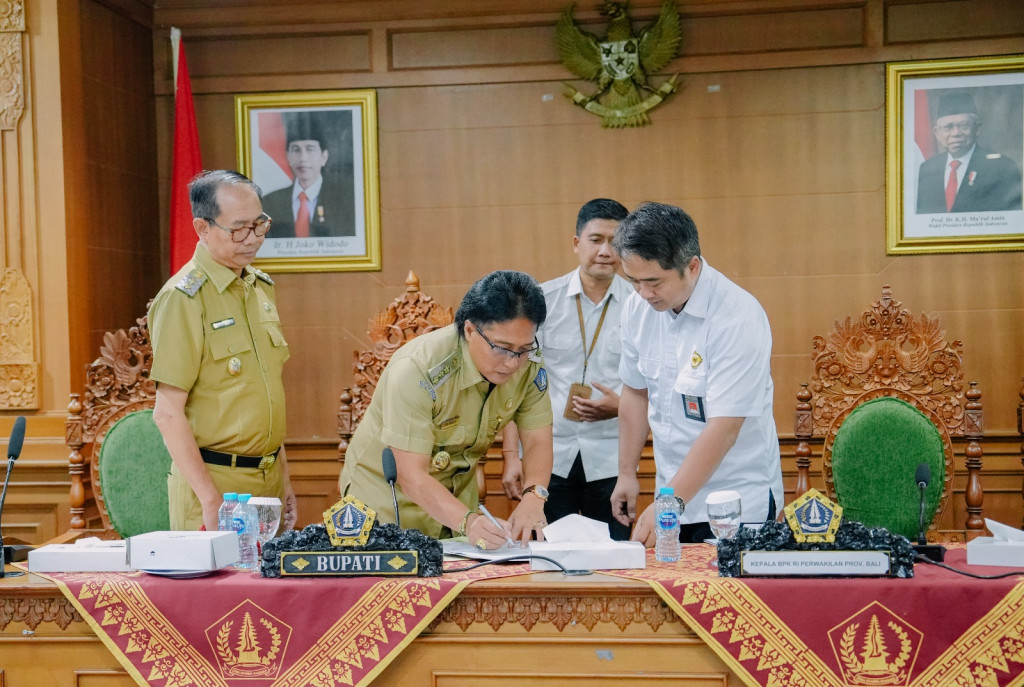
(775, 143)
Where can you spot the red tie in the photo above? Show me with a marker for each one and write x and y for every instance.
(950, 185)
(302, 221)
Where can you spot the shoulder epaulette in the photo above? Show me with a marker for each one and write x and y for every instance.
(191, 282)
(443, 371)
(263, 276)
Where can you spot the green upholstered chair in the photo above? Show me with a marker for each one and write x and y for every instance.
(117, 385)
(133, 467)
(875, 455)
(887, 394)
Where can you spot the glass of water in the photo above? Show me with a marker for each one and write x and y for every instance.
(268, 513)
(724, 511)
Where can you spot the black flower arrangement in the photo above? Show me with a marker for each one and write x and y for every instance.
(383, 537)
(851, 536)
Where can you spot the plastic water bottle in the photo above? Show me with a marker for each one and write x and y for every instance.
(225, 511)
(666, 526)
(246, 523)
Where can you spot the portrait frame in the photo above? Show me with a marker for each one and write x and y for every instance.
(342, 218)
(991, 221)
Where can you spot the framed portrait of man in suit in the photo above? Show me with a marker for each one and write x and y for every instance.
(954, 153)
(314, 156)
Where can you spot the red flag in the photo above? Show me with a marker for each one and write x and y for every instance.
(186, 163)
(923, 125)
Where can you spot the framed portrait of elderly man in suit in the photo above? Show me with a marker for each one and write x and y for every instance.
(954, 151)
(314, 155)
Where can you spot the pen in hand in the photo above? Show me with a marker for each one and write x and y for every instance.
(494, 521)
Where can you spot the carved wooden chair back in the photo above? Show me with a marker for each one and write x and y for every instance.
(410, 315)
(889, 352)
(116, 385)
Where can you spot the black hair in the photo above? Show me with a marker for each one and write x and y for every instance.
(600, 208)
(499, 297)
(305, 126)
(658, 232)
(202, 190)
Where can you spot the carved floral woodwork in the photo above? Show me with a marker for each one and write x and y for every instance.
(889, 352)
(116, 384)
(410, 315)
(12, 90)
(559, 611)
(19, 372)
(32, 611)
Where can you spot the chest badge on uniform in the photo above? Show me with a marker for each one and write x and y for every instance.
(508, 404)
(440, 461)
(696, 360)
(234, 366)
(266, 306)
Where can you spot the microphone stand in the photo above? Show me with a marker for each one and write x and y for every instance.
(920, 535)
(10, 553)
(933, 552)
(394, 500)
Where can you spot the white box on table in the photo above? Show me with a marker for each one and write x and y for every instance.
(593, 555)
(87, 555)
(1005, 548)
(182, 550)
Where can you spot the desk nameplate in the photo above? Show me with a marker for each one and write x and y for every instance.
(349, 563)
(816, 563)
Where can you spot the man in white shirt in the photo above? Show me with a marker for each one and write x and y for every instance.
(580, 342)
(695, 367)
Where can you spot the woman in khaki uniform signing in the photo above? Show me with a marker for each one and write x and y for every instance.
(438, 405)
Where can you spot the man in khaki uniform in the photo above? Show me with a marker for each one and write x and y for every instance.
(218, 353)
(440, 402)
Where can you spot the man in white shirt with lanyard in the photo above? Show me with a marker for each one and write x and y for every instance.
(580, 342)
(695, 367)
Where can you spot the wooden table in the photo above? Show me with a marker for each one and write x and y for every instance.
(541, 629)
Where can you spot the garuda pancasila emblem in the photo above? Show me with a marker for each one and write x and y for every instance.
(620, 62)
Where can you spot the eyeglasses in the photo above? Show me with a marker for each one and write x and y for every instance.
(239, 234)
(962, 127)
(508, 353)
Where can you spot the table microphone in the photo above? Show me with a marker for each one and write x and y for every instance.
(387, 459)
(923, 476)
(935, 552)
(12, 553)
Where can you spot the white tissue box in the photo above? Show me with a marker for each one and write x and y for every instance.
(104, 556)
(598, 555)
(182, 550)
(992, 551)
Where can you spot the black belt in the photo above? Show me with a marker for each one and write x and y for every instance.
(237, 461)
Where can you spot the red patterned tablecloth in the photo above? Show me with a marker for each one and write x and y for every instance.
(938, 628)
(231, 628)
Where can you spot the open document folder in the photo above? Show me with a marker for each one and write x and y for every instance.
(463, 549)
(1005, 547)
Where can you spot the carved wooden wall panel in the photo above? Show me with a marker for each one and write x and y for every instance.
(19, 370)
(19, 365)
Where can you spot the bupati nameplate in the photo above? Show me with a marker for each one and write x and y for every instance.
(816, 563)
(349, 563)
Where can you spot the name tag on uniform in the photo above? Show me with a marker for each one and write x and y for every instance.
(220, 324)
(694, 408)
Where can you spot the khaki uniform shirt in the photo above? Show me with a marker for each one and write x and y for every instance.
(218, 337)
(431, 399)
